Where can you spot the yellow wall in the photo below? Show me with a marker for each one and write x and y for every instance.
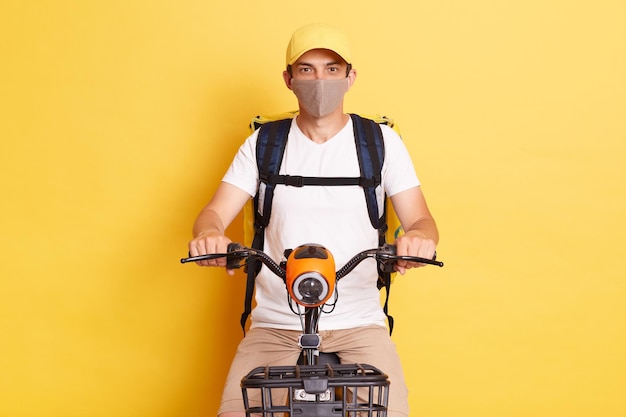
(119, 117)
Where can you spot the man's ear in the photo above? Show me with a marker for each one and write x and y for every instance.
(287, 78)
(351, 78)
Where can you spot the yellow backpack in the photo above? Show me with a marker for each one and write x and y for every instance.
(273, 132)
(394, 229)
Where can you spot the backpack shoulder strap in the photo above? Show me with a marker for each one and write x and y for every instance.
(371, 153)
(270, 147)
(370, 148)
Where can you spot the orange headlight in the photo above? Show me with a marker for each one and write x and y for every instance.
(310, 275)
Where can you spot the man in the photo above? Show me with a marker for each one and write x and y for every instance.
(320, 144)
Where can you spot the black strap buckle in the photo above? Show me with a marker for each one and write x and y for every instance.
(294, 180)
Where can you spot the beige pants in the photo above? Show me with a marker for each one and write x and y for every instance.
(271, 347)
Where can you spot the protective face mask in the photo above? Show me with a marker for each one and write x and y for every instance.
(320, 97)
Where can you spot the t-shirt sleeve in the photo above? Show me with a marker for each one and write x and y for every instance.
(398, 170)
(243, 172)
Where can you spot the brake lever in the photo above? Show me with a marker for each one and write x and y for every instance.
(419, 260)
(203, 257)
(235, 253)
(389, 257)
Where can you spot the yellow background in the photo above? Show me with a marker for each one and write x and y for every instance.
(119, 117)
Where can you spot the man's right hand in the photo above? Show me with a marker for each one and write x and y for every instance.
(207, 243)
(209, 228)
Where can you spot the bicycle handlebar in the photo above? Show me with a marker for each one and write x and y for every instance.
(385, 256)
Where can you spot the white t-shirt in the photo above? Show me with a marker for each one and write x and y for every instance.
(334, 216)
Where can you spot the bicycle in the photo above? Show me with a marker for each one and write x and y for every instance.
(314, 386)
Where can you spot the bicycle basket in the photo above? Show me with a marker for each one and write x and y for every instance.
(316, 390)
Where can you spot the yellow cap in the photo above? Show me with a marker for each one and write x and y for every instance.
(317, 36)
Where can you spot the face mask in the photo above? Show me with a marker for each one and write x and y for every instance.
(320, 97)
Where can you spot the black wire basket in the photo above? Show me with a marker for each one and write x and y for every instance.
(316, 390)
